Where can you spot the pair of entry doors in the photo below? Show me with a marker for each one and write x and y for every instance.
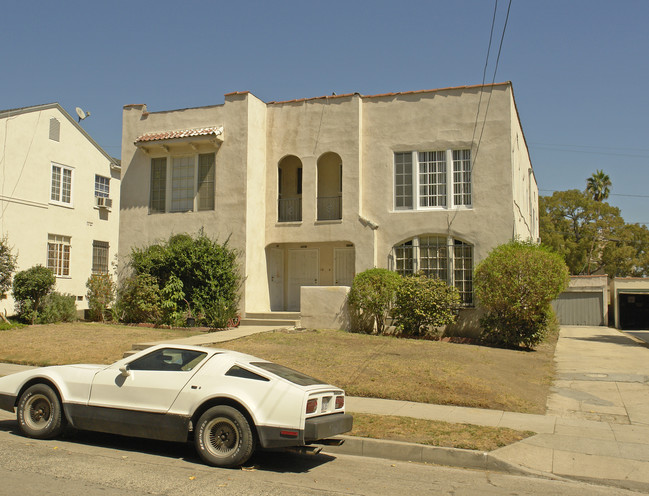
(303, 269)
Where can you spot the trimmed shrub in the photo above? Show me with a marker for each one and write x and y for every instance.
(371, 297)
(101, 294)
(424, 304)
(516, 284)
(138, 300)
(58, 307)
(29, 288)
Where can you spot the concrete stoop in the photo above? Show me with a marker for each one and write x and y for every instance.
(280, 319)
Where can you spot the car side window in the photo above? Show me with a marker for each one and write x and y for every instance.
(168, 359)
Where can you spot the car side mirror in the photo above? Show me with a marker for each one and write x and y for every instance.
(125, 371)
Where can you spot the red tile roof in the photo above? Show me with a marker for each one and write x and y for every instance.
(181, 133)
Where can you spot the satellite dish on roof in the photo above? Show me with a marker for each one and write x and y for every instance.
(82, 115)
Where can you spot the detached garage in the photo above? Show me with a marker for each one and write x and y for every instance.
(585, 302)
(631, 302)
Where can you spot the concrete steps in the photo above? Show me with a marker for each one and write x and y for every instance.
(280, 319)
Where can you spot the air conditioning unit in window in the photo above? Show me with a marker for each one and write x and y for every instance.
(103, 202)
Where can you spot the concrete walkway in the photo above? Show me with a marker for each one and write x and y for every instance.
(596, 427)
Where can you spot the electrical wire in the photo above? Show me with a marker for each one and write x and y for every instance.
(493, 80)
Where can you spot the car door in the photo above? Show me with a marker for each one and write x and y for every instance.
(150, 384)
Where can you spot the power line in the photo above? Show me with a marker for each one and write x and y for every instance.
(493, 80)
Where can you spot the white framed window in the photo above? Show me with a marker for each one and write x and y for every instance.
(102, 186)
(188, 185)
(432, 179)
(423, 180)
(100, 257)
(58, 254)
(61, 184)
(442, 257)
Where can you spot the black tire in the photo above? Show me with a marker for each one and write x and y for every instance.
(223, 437)
(39, 413)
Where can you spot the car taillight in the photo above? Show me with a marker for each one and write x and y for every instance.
(311, 405)
(340, 402)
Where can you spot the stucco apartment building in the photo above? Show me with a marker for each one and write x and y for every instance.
(313, 191)
(59, 197)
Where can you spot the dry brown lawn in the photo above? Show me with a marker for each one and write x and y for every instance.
(413, 370)
(372, 366)
(77, 342)
(434, 432)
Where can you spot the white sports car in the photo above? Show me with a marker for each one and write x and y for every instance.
(230, 403)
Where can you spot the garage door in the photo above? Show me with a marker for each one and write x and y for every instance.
(579, 308)
(634, 311)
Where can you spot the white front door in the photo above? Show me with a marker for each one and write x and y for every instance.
(344, 261)
(302, 271)
(276, 279)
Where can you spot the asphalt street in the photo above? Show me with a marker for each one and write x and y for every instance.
(98, 464)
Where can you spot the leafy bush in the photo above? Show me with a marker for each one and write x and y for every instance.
(101, 294)
(218, 313)
(138, 300)
(29, 288)
(423, 304)
(7, 266)
(371, 297)
(57, 307)
(191, 272)
(516, 284)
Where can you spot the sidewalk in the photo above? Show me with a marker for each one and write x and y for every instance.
(596, 427)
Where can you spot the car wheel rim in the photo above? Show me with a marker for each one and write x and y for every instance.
(221, 437)
(38, 411)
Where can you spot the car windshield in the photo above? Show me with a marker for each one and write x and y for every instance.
(289, 374)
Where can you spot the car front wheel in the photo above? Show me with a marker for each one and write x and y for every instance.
(39, 413)
(223, 437)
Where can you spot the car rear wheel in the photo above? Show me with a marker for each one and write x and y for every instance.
(223, 437)
(39, 413)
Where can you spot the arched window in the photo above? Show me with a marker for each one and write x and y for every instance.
(442, 257)
(289, 189)
(330, 187)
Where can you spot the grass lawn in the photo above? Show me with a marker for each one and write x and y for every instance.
(77, 342)
(422, 371)
(372, 366)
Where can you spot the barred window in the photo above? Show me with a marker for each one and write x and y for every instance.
(182, 184)
(205, 187)
(190, 183)
(100, 257)
(158, 197)
(58, 254)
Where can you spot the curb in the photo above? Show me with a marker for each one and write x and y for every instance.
(420, 453)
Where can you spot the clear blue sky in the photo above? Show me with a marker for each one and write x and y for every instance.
(579, 67)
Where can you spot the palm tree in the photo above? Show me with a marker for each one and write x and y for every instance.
(598, 185)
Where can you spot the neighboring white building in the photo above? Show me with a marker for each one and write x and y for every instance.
(314, 191)
(59, 197)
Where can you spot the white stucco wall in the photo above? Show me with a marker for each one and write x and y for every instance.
(364, 132)
(27, 215)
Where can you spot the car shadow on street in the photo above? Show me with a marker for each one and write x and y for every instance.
(267, 461)
(606, 338)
